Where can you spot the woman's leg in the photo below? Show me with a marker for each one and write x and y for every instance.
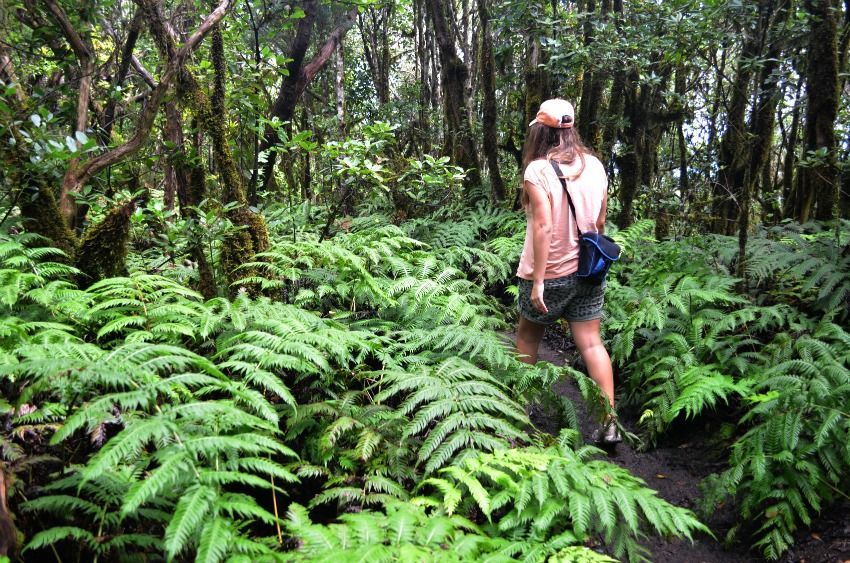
(528, 337)
(594, 354)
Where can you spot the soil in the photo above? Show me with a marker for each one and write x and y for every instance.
(675, 469)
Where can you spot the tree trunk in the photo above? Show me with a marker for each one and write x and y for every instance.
(587, 120)
(536, 87)
(733, 158)
(459, 143)
(300, 75)
(790, 194)
(763, 116)
(190, 184)
(339, 88)
(490, 111)
(819, 181)
(423, 65)
(616, 99)
(121, 73)
(85, 58)
(376, 48)
(684, 179)
(642, 134)
(241, 246)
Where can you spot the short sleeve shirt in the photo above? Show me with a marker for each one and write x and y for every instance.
(587, 192)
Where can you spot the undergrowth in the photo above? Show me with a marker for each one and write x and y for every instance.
(369, 404)
(770, 351)
(339, 414)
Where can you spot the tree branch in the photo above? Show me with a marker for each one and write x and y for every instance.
(143, 72)
(293, 86)
(146, 119)
(80, 47)
(85, 56)
(325, 52)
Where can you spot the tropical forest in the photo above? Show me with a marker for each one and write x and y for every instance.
(260, 296)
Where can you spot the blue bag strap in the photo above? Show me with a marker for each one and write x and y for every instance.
(563, 180)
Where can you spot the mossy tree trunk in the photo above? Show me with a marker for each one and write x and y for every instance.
(103, 247)
(844, 199)
(761, 124)
(592, 86)
(190, 183)
(490, 110)
(458, 142)
(641, 136)
(733, 157)
(790, 197)
(251, 234)
(819, 180)
(251, 237)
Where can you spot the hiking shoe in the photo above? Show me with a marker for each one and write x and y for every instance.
(607, 433)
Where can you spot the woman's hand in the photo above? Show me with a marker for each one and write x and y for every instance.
(537, 297)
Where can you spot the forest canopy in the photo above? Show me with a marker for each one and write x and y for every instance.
(257, 268)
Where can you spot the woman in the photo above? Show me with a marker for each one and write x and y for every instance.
(548, 287)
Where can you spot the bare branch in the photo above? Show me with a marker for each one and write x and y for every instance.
(325, 52)
(146, 119)
(143, 72)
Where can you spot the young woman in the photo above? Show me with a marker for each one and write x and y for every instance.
(548, 287)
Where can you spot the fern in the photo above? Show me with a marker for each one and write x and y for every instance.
(557, 494)
(454, 407)
(797, 441)
(413, 532)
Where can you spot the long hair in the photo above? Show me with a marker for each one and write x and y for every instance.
(563, 145)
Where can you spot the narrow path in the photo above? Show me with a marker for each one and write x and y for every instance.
(676, 468)
(675, 471)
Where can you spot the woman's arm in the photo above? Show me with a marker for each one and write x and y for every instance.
(600, 221)
(541, 230)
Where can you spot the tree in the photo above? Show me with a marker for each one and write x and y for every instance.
(298, 76)
(490, 111)
(458, 141)
(819, 177)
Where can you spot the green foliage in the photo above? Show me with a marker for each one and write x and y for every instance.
(688, 340)
(178, 419)
(410, 532)
(794, 457)
(27, 273)
(556, 497)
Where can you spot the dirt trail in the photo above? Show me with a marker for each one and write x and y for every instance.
(675, 469)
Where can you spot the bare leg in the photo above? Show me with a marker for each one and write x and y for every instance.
(594, 354)
(528, 337)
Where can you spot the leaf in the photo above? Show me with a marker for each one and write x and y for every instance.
(191, 512)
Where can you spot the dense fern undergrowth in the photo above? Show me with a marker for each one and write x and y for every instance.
(369, 407)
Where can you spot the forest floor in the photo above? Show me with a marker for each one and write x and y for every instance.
(675, 469)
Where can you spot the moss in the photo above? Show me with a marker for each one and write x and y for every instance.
(41, 215)
(103, 249)
(243, 245)
(38, 204)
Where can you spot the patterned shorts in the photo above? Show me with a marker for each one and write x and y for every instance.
(565, 297)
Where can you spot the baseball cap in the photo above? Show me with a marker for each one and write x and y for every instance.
(556, 113)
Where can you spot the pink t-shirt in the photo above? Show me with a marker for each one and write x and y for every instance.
(587, 192)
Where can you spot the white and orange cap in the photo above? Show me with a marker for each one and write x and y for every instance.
(555, 113)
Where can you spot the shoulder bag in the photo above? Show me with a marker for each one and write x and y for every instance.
(596, 252)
